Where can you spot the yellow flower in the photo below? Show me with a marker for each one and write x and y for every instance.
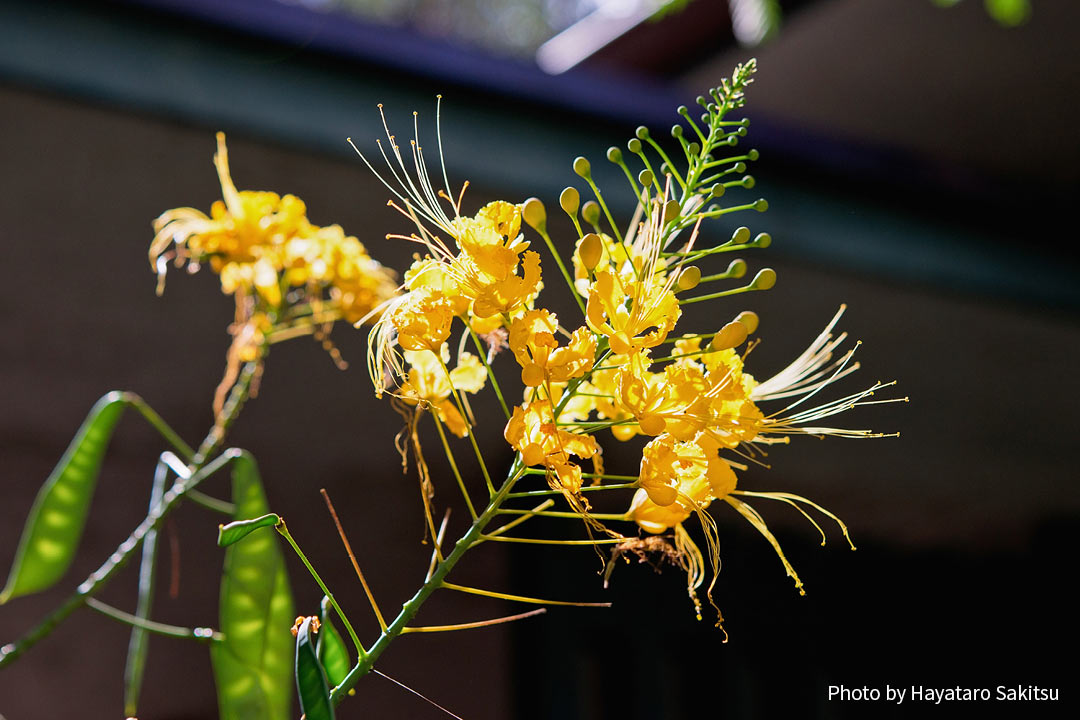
(492, 238)
(262, 243)
(633, 317)
(423, 320)
(677, 479)
(428, 383)
(532, 431)
(532, 340)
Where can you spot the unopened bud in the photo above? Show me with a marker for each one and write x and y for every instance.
(689, 277)
(764, 280)
(569, 199)
(730, 336)
(749, 319)
(582, 167)
(590, 212)
(534, 214)
(590, 249)
(672, 210)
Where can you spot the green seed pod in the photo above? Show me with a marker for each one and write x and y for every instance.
(570, 200)
(645, 177)
(689, 277)
(764, 280)
(614, 154)
(590, 249)
(582, 167)
(749, 319)
(534, 214)
(590, 212)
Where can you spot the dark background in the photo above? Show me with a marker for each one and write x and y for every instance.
(920, 166)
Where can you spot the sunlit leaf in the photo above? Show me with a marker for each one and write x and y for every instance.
(55, 523)
(228, 534)
(310, 679)
(253, 664)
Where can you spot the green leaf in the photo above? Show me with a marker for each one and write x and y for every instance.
(240, 529)
(55, 523)
(310, 680)
(253, 664)
(331, 649)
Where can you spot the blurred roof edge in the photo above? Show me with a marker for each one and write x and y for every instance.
(108, 57)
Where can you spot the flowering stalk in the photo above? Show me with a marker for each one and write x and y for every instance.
(693, 404)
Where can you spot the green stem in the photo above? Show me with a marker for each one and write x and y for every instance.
(211, 503)
(454, 467)
(283, 530)
(160, 425)
(139, 645)
(593, 488)
(490, 372)
(202, 634)
(410, 608)
(562, 268)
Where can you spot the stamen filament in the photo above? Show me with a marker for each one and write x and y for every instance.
(520, 598)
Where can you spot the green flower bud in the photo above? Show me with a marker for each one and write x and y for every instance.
(534, 214)
(569, 200)
(582, 167)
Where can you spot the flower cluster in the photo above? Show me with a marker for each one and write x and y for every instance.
(622, 365)
(288, 275)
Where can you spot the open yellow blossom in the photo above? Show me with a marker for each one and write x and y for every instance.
(492, 238)
(289, 277)
(635, 317)
(428, 383)
(532, 431)
(532, 340)
(677, 479)
(423, 320)
(262, 244)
